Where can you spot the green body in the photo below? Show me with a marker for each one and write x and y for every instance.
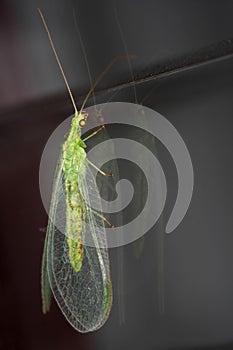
(76, 274)
(74, 157)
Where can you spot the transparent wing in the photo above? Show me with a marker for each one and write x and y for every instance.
(84, 297)
(95, 234)
(45, 284)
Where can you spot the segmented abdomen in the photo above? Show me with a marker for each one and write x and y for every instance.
(75, 221)
(74, 158)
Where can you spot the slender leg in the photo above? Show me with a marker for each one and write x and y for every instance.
(100, 171)
(101, 216)
(94, 133)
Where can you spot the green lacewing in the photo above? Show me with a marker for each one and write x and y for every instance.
(78, 276)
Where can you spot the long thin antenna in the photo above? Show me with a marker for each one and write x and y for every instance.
(58, 60)
(100, 77)
(84, 53)
(126, 51)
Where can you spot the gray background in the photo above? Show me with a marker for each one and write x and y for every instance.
(170, 292)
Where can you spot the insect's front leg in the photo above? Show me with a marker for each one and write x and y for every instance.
(94, 133)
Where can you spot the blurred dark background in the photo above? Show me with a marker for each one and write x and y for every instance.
(170, 292)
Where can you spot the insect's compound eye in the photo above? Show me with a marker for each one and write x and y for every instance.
(82, 122)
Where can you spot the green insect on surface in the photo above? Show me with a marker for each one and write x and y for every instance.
(74, 157)
(77, 275)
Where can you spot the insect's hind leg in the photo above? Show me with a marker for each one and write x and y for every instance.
(99, 170)
(101, 216)
(94, 133)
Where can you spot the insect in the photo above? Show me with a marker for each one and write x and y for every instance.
(77, 275)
